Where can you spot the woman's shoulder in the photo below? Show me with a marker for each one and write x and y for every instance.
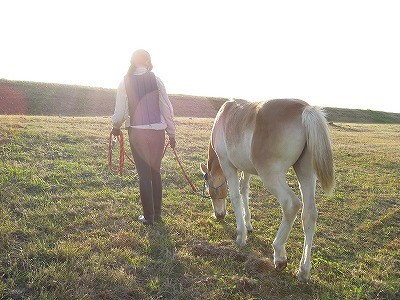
(160, 84)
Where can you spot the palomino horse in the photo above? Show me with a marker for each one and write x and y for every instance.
(266, 139)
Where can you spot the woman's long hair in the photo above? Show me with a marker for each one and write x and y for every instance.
(140, 58)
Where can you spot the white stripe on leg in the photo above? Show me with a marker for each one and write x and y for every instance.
(244, 191)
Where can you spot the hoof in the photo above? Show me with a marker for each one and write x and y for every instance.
(219, 217)
(303, 276)
(280, 265)
(240, 241)
(249, 229)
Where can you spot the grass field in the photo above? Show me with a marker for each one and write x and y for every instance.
(67, 228)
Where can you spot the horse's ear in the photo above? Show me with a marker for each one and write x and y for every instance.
(203, 168)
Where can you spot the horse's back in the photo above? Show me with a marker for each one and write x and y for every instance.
(280, 109)
(240, 114)
(279, 135)
(255, 134)
(239, 118)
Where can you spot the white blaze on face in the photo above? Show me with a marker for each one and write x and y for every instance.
(219, 206)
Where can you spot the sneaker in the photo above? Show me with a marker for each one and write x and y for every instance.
(142, 219)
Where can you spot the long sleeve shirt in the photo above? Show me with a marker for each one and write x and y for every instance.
(121, 112)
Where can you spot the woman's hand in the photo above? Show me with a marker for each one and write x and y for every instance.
(172, 142)
(116, 131)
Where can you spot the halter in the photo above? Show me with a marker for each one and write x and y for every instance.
(205, 177)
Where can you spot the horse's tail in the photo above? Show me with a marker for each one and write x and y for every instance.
(319, 143)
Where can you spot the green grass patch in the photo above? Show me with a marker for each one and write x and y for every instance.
(68, 230)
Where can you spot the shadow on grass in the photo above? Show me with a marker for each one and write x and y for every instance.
(164, 280)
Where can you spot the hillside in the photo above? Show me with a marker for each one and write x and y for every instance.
(32, 98)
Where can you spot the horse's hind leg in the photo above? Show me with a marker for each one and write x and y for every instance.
(307, 180)
(244, 191)
(290, 204)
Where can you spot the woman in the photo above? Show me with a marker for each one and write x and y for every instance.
(142, 102)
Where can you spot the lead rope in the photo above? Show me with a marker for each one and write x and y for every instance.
(122, 154)
(181, 166)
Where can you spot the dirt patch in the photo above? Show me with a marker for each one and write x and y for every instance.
(216, 251)
(244, 284)
(255, 264)
(4, 141)
(252, 263)
(12, 99)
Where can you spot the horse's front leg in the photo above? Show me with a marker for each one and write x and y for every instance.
(244, 191)
(237, 203)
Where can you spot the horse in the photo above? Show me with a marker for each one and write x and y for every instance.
(266, 139)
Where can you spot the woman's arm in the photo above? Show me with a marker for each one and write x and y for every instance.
(121, 106)
(166, 109)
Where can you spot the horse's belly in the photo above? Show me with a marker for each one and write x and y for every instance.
(245, 167)
(239, 156)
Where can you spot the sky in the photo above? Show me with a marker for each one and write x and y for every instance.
(328, 53)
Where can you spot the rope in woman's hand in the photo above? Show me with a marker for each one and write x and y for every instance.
(122, 154)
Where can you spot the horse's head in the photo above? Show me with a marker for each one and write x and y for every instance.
(215, 182)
